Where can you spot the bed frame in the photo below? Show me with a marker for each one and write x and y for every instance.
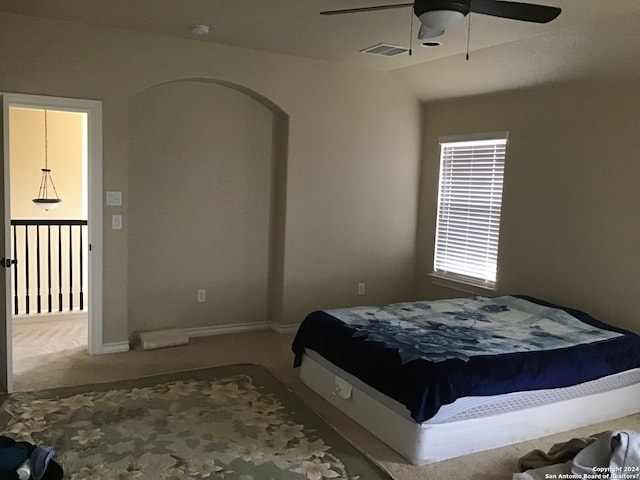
(424, 443)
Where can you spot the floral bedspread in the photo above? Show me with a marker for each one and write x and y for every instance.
(461, 328)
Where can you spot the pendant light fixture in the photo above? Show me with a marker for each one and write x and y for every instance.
(44, 201)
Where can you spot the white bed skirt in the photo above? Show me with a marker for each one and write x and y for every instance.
(423, 443)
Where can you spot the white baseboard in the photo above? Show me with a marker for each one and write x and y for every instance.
(223, 329)
(115, 347)
(284, 329)
(119, 347)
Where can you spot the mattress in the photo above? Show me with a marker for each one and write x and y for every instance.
(485, 406)
(463, 427)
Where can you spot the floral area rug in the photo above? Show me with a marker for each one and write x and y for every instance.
(236, 422)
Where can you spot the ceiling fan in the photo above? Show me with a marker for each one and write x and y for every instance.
(436, 16)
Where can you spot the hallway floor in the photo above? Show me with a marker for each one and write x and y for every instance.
(37, 345)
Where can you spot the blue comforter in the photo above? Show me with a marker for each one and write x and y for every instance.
(428, 354)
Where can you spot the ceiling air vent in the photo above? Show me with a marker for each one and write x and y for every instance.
(385, 50)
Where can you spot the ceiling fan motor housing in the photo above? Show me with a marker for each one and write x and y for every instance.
(423, 6)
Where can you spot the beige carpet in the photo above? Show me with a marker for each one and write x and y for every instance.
(74, 367)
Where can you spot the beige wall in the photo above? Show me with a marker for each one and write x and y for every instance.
(201, 161)
(570, 231)
(348, 209)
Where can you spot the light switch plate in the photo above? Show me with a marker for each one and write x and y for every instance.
(116, 222)
(114, 199)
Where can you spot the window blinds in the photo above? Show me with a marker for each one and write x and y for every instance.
(469, 203)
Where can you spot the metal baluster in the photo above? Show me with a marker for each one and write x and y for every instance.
(60, 268)
(70, 269)
(39, 297)
(26, 267)
(49, 298)
(15, 272)
(81, 269)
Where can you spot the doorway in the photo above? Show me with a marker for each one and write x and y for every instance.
(59, 270)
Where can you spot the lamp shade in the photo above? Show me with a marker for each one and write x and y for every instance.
(426, 32)
(440, 20)
(47, 203)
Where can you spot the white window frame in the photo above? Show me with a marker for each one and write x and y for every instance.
(467, 240)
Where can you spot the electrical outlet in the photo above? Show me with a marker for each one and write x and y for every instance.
(202, 295)
(361, 288)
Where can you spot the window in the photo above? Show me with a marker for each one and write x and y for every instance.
(469, 203)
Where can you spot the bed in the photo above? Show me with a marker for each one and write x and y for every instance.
(436, 380)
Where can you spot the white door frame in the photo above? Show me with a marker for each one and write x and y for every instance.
(93, 109)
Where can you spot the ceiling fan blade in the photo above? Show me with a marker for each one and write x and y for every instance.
(527, 12)
(367, 9)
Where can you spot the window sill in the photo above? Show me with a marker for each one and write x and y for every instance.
(458, 284)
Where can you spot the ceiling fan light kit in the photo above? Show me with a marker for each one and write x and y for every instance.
(440, 15)
(427, 32)
(440, 20)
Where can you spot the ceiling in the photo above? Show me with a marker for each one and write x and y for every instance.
(590, 37)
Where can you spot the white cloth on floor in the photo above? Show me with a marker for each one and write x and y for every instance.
(544, 473)
(612, 455)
